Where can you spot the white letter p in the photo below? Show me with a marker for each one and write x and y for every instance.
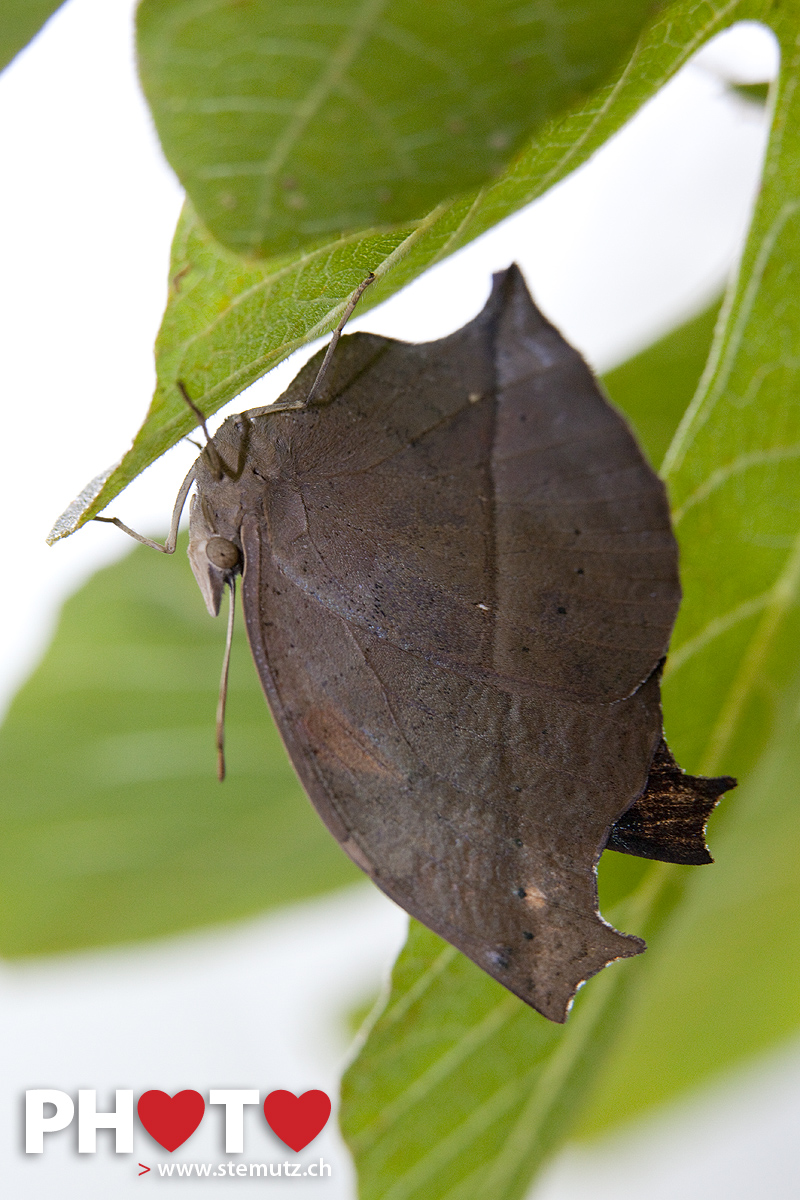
(37, 1124)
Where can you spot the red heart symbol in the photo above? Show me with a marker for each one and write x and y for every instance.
(171, 1119)
(297, 1119)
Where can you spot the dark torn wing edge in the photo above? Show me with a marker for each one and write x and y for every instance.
(668, 821)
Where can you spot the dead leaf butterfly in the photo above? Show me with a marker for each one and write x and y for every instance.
(459, 581)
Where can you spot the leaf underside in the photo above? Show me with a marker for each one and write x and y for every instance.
(288, 128)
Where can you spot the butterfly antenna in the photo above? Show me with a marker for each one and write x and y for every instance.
(223, 683)
(316, 387)
(217, 465)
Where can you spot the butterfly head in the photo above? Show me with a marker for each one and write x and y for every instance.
(214, 559)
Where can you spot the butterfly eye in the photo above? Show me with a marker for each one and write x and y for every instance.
(222, 553)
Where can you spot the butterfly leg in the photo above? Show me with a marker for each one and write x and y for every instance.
(316, 387)
(172, 538)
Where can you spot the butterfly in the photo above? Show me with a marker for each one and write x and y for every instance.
(459, 581)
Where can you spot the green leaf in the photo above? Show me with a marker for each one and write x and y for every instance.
(113, 823)
(289, 124)
(654, 388)
(756, 93)
(229, 321)
(732, 471)
(734, 482)
(20, 21)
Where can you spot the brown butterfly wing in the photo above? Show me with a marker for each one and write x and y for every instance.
(480, 812)
(459, 582)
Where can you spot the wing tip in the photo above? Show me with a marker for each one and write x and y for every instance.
(550, 982)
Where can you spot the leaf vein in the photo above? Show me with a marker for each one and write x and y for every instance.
(341, 59)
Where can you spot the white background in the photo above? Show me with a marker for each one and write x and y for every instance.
(643, 235)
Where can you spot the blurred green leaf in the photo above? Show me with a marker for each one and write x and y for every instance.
(289, 125)
(733, 474)
(654, 387)
(228, 321)
(113, 823)
(756, 93)
(20, 21)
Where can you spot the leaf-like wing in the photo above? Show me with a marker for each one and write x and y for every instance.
(459, 582)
